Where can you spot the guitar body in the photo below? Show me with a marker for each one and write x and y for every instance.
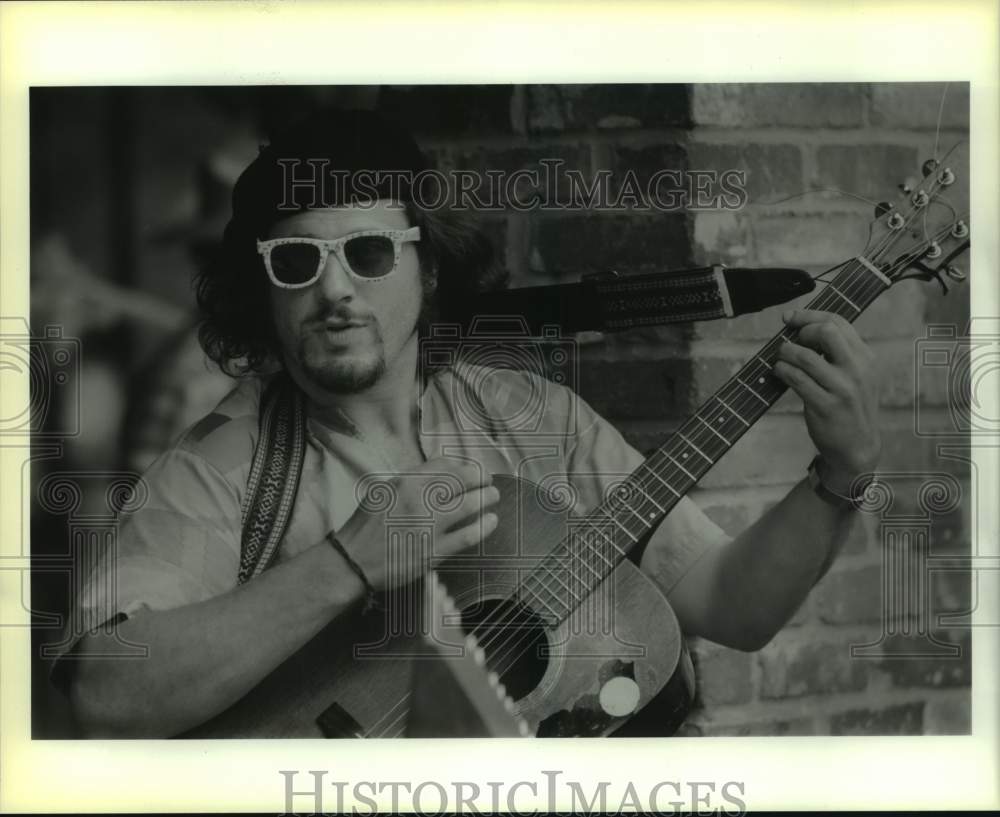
(618, 653)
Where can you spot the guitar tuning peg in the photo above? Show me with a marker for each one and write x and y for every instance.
(929, 167)
(501, 691)
(946, 177)
(882, 208)
(960, 229)
(905, 188)
(934, 250)
(955, 273)
(895, 221)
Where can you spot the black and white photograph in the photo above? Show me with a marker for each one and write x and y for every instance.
(352, 347)
(519, 410)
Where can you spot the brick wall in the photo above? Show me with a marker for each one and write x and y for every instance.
(862, 139)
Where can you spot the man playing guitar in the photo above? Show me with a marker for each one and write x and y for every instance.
(338, 298)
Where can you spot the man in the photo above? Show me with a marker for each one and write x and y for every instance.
(338, 297)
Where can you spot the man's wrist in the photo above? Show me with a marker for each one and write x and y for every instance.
(838, 488)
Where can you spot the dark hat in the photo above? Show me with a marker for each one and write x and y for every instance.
(331, 158)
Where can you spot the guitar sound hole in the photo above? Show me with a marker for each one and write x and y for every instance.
(513, 638)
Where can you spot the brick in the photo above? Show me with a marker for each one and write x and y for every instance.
(916, 104)
(948, 716)
(897, 313)
(586, 107)
(902, 719)
(810, 105)
(552, 182)
(613, 389)
(873, 171)
(898, 380)
(811, 242)
(449, 110)
(771, 170)
(903, 450)
(573, 245)
(721, 237)
(952, 591)
(850, 596)
(907, 673)
(724, 676)
(779, 728)
(645, 161)
(792, 670)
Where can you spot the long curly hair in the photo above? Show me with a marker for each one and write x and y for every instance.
(457, 259)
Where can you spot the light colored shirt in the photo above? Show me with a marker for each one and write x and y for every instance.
(183, 545)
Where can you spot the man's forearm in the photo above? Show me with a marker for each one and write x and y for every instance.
(205, 656)
(743, 593)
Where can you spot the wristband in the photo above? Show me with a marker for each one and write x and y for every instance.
(837, 500)
(371, 595)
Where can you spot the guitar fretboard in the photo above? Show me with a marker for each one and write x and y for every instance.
(598, 542)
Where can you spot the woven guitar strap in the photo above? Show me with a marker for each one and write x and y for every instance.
(274, 475)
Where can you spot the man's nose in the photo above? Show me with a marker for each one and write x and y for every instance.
(335, 280)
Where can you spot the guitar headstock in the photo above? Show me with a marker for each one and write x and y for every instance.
(925, 233)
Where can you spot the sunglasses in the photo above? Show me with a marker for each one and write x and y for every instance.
(370, 255)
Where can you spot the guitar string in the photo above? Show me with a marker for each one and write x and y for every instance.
(857, 281)
(863, 282)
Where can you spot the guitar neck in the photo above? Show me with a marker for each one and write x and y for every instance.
(599, 542)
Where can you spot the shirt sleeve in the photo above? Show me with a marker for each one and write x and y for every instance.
(598, 458)
(181, 546)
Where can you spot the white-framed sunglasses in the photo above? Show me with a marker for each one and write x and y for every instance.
(369, 255)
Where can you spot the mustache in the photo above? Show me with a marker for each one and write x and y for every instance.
(340, 316)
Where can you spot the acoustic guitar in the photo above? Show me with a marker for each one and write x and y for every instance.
(581, 641)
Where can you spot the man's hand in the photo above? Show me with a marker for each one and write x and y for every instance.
(833, 371)
(461, 488)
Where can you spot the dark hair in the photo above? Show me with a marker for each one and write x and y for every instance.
(233, 289)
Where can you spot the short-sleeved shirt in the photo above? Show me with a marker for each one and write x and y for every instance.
(182, 545)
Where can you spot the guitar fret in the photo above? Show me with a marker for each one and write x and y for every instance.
(713, 429)
(609, 539)
(685, 470)
(622, 526)
(679, 434)
(635, 513)
(768, 365)
(734, 412)
(667, 484)
(753, 391)
(659, 507)
(847, 300)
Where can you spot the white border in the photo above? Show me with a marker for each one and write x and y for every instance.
(354, 43)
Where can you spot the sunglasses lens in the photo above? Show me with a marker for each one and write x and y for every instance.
(370, 256)
(295, 264)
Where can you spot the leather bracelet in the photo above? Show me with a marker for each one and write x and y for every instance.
(830, 497)
(371, 594)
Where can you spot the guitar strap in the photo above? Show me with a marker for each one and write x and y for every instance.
(274, 475)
